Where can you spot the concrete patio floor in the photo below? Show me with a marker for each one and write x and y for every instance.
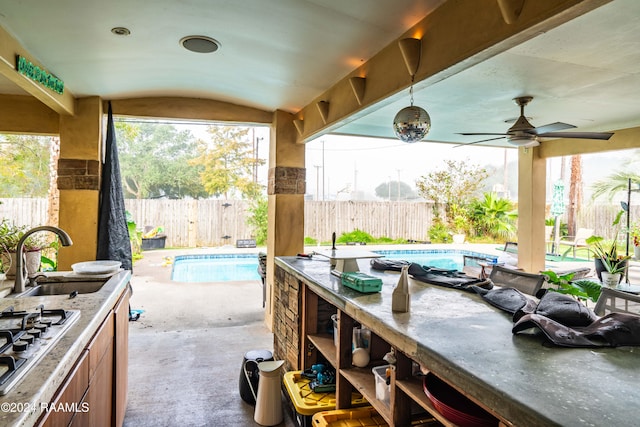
(187, 348)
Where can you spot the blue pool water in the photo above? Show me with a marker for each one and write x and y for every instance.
(230, 267)
(442, 258)
(215, 268)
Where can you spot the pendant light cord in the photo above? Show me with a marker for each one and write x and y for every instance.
(413, 76)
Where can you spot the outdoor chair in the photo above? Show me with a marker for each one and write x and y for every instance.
(548, 234)
(611, 300)
(579, 240)
(511, 247)
(527, 283)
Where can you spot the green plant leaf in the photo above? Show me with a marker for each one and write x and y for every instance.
(590, 287)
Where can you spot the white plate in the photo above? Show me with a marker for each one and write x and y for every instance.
(96, 267)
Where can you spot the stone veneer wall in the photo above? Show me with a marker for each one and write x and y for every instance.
(287, 321)
(78, 174)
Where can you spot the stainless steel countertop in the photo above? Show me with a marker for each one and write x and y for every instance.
(469, 343)
(22, 405)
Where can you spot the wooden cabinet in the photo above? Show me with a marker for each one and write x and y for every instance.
(70, 393)
(99, 395)
(121, 357)
(95, 390)
(407, 398)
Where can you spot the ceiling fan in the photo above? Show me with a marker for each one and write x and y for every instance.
(524, 134)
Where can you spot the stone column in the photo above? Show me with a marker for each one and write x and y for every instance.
(286, 190)
(79, 180)
(532, 176)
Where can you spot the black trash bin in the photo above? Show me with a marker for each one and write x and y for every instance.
(157, 242)
(249, 374)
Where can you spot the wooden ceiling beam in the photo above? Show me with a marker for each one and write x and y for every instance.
(623, 139)
(62, 103)
(454, 37)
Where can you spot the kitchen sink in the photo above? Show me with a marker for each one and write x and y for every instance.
(62, 288)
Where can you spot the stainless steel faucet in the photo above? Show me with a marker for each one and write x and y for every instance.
(21, 268)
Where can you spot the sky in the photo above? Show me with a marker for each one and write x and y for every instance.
(346, 164)
(361, 164)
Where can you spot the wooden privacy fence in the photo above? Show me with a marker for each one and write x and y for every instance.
(201, 223)
(408, 220)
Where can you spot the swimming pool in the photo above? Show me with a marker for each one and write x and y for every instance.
(230, 267)
(442, 258)
(215, 268)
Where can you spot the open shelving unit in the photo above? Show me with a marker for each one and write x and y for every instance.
(407, 399)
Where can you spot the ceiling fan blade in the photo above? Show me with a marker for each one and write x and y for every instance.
(478, 142)
(580, 135)
(483, 133)
(551, 127)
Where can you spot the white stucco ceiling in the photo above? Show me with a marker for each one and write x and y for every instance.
(281, 54)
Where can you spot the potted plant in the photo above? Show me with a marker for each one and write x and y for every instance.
(459, 223)
(582, 289)
(10, 235)
(610, 265)
(459, 229)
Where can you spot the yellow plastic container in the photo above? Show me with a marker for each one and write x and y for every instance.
(306, 403)
(360, 417)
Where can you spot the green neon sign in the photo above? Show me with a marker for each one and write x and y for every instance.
(38, 75)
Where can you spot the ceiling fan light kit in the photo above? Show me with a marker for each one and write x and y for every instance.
(411, 124)
(523, 141)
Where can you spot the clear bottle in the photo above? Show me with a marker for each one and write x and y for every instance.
(400, 295)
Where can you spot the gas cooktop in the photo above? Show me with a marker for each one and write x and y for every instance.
(26, 337)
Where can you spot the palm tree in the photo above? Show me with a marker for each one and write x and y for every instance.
(614, 183)
(494, 216)
(575, 193)
(618, 181)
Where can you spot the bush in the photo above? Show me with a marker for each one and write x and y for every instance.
(258, 219)
(355, 236)
(439, 233)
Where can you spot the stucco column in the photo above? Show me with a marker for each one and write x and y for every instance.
(286, 188)
(79, 180)
(532, 176)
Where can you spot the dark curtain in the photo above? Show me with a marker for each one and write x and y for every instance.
(113, 234)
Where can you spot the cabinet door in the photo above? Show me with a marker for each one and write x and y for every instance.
(121, 352)
(100, 397)
(69, 395)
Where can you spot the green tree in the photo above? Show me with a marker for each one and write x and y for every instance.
(394, 190)
(155, 161)
(26, 165)
(452, 187)
(227, 162)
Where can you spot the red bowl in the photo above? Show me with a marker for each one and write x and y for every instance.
(454, 406)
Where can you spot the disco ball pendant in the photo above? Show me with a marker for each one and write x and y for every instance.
(411, 124)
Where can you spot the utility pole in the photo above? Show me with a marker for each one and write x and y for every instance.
(317, 181)
(255, 159)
